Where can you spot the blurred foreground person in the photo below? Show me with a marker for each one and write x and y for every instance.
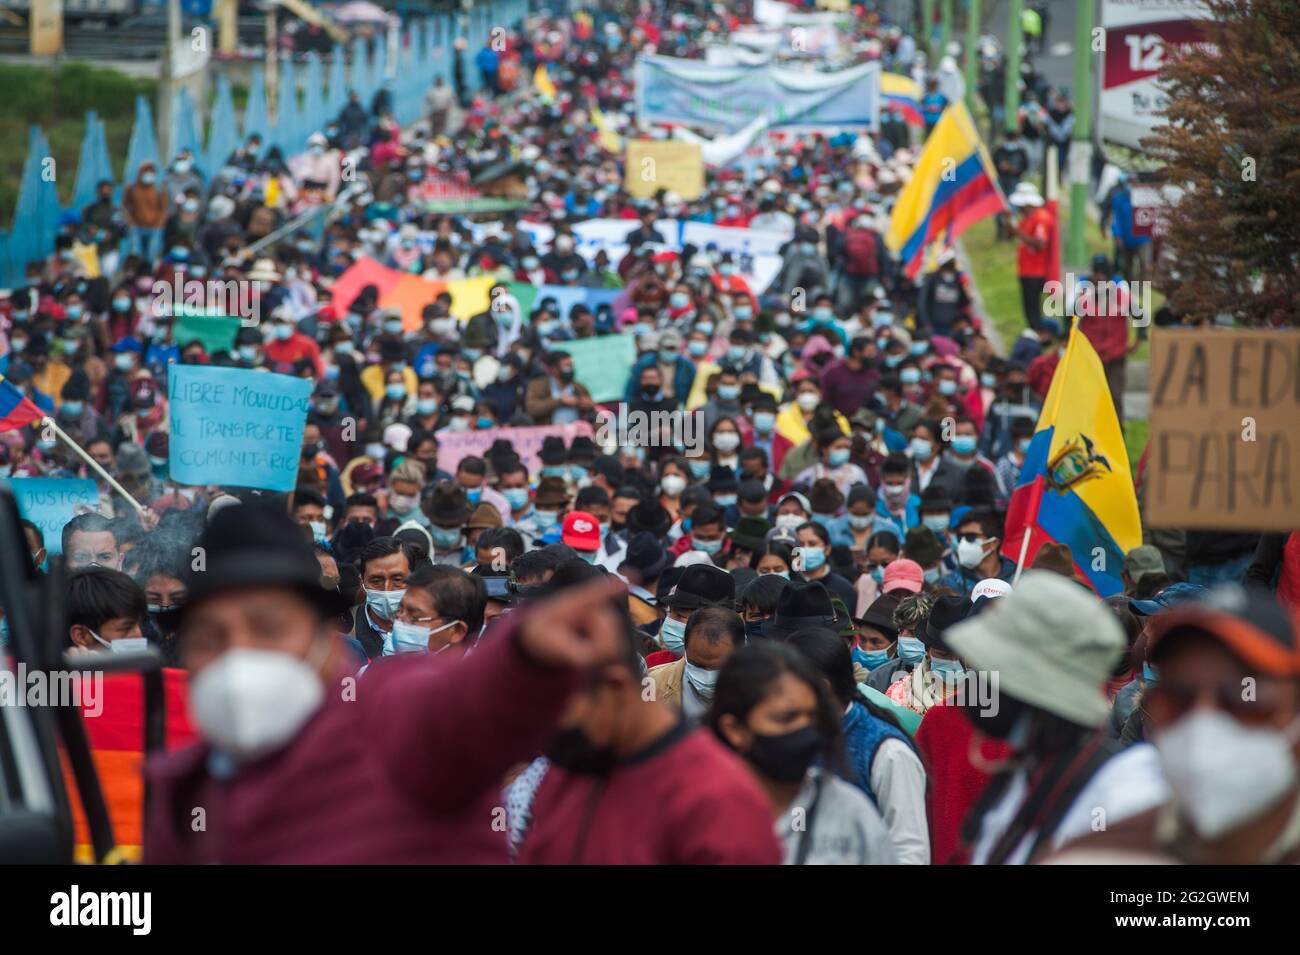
(301, 763)
(772, 706)
(1224, 713)
(1051, 645)
(631, 782)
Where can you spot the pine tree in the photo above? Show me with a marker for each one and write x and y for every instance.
(1232, 142)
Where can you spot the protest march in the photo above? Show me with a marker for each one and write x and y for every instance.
(709, 433)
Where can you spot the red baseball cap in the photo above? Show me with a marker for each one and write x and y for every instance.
(904, 575)
(581, 531)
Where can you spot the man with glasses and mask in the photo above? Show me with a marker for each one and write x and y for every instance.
(384, 566)
(441, 610)
(1224, 714)
(297, 766)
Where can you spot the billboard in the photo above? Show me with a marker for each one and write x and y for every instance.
(1138, 34)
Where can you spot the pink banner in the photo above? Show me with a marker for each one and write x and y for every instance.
(527, 442)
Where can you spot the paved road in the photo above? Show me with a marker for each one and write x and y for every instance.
(1056, 62)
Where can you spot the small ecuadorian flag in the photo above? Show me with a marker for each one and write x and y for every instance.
(953, 186)
(1075, 487)
(542, 82)
(16, 410)
(903, 94)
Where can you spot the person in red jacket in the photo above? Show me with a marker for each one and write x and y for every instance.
(630, 782)
(303, 762)
(1103, 308)
(286, 345)
(1034, 233)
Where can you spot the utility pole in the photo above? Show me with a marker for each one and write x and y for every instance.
(973, 54)
(1076, 249)
(167, 86)
(1011, 92)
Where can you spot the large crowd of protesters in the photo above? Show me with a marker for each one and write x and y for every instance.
(796, 639)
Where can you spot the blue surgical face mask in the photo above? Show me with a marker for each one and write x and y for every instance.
(921, 449)
(728, 392)
(697, 348)
(910, 376)
(949, 671)
(516, 497)
(725, 500)
(474, 494)
(932, 575)
(672, 634)
(822, 315)
(963, 444)
(73, 409)
(709, 547)
(910, 650)
(547, 518)
(764, 421)
(426, 405)
(870, 658)
(384, 603)
(838, 457)
(813, 557)
(702, 681)
(1023, 445)
(444, 538)
(699, 469)
(937, 523)
(947, 387)
(396, 391)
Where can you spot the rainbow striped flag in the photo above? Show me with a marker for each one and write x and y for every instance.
(903, 94)
(16, 410)
(952, 187)
(1075, 487)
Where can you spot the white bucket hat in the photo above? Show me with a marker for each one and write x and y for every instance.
(1052, 643)
(1025, 194)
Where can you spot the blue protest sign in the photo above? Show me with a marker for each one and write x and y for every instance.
(49, 503)
(237, 427)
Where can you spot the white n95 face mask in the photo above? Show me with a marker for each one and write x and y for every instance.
(1223, 772)
(248, 702)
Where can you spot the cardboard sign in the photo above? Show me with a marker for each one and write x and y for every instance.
(237, 427)
(49, 503)
(1224, 451)
(659, 164)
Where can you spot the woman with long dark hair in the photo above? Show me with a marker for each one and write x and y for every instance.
(771, 706)
(882, 760)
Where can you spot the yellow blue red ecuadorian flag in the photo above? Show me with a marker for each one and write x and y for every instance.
(16, 410)
(1075, 487)
(903, 94)
(952, 187)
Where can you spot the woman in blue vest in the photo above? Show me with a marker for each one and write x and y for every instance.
(881, 759)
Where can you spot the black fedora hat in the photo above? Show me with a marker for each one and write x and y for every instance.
(553, 450)
(649, 515)
(646, 554)
(702, 585)
(800, 605)
(258, 545)
(946, 612)
(880, 615)
(447, 504)
(750, 532)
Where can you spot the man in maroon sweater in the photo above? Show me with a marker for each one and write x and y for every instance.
(630, 783)
(849, 383)
(304, 763)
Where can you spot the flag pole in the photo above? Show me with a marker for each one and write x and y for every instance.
(94, 465)
(1020, 563)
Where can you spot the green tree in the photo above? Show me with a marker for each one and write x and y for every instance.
(1232, 143)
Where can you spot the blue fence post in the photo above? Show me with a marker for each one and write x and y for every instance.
(286, 109)
(338, 90)
(187, 129)
(93, 164)
(255, 109)
(313, 104)
(223, 127)
(144, 145)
